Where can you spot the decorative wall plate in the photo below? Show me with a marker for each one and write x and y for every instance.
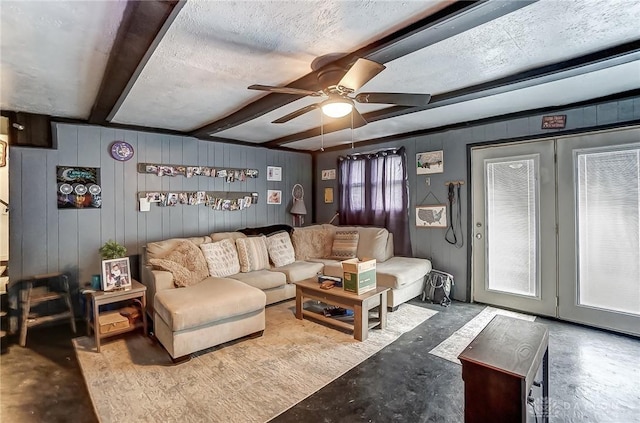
(121, 150)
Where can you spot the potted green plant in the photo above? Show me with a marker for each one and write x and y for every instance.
(109, 251)
(112, 250)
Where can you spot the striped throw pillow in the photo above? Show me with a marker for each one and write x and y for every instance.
(345, 245)
(252, 252)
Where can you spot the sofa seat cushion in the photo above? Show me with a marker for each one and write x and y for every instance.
(262, 279)
(300, 270)
(211, 300)
(399, 271)
(324, 261)
(332, 268)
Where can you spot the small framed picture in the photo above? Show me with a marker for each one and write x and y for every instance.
(328, 195)
(429, 162)
(431, 216)
(116, 274)
(274, 196)
(274, 173)
(328, 174)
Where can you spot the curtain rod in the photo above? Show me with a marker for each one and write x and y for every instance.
(394, 149)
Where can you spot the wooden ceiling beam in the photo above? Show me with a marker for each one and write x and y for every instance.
(451, 20)
(143, 25)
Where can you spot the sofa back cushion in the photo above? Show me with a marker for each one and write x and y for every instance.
(312, 242)
(160, 249)
(345, 245)
(280, 249)
(185, 254)
(222, 258)
(219, 236)
(252, 253)
(374, 242)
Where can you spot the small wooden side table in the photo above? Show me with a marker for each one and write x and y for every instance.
(499, 367)
(95, 299)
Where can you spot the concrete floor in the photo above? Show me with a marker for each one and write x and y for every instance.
(595, 377)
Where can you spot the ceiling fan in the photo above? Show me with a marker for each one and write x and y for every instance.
(339, 92)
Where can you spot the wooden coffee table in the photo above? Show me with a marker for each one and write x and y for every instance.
(360, 304)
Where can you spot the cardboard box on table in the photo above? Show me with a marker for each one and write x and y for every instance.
(359, 276)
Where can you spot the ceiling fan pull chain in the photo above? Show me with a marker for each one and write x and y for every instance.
(352, 129)
(321, 132)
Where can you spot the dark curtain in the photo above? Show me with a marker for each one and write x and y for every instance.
(374, 192)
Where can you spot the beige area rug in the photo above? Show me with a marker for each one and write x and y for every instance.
(248, 381)
(450, 348)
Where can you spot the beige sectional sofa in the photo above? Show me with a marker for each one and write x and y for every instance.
(193, 310)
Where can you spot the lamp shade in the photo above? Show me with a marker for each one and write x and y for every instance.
(298, 207)
(337, 107)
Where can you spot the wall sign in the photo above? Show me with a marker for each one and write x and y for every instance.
(554, 122)
(78, 187)
(328, 174)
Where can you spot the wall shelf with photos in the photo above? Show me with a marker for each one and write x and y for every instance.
(230, 174)
(216, 200)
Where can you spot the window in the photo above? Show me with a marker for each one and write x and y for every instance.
(374, 191)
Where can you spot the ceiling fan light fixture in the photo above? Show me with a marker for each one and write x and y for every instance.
(337, 107)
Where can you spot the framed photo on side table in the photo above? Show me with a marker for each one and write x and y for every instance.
(116, 274)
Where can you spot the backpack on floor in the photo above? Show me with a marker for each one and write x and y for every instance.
(437, 288)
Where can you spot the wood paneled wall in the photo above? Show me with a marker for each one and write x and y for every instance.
(430, 243)
(45, 239)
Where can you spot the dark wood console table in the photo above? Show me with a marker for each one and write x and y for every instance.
(499, 367)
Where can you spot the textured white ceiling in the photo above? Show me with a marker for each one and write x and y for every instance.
(578, 88)
(562, 29)
(215, 49)
(54, 54)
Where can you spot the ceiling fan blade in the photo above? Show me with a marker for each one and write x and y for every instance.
(401, 99)
(283, 90)
(361, 72)
(297, 113)
(358, 119)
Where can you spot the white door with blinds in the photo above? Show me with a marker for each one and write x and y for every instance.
(599, 230)
(514, 244)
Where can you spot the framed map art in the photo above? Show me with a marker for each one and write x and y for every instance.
(431, 216)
